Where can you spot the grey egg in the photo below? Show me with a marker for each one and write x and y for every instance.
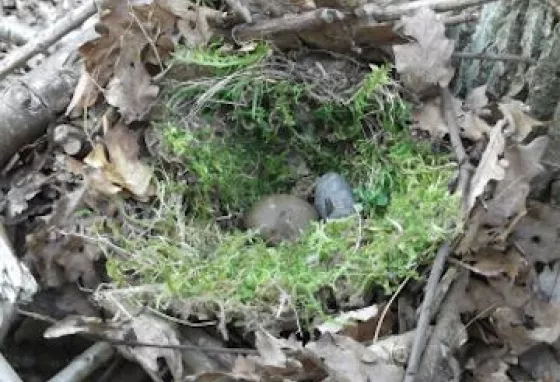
(280, 217)
(333, 196)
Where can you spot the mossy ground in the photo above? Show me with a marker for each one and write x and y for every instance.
(400, 188)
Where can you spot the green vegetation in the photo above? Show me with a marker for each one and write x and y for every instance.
(400, 187)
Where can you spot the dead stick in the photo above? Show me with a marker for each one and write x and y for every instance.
(465, 167)
(425, 313)
(322, 16)
(20, 56)
(394, 12)
(493, 57)
(297, 22)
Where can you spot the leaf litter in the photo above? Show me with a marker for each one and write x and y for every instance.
(513, 302)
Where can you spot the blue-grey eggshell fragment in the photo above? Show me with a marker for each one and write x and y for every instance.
(333, 197)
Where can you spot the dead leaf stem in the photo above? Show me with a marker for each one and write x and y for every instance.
(420, 337)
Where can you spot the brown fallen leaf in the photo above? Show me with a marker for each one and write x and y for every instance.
(124, 150)
(519, 123)
(538, 233)
(349, 361)
(128, 32)
(491, 167)
(425, 62)
(131, 89)
(140, 328)
(491, 262)
(477, 100)
(428, 117)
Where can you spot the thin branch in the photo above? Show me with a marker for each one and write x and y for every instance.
(465, 167)
(425, 313)
(305, 20)
(322, 16)
(386, 309)
(20, 56)
(394, 12)
(493, 57)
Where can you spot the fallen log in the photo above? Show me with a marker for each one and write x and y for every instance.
(28, 103)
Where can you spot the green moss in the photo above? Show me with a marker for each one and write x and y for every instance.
(400, 187)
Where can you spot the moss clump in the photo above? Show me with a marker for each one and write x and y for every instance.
(400, 186)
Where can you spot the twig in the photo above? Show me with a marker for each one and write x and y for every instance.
(311, 19)
(14, 31)
(297, 22)
(425, 313)
(465, 167)
(112, 341)
(386, 309)
(394, 12)
(7, 374)
(20, 56)
(86, 363)
(493, 57)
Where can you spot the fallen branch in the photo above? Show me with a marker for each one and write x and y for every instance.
(305, 20)
(465, 167)
(20, 56)
(425, 313)
(323, 16)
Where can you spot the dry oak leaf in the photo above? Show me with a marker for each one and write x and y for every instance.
(429, 117)
(538, 233)
(490, 167)
(128, 30)
(124, 150)
(519, 123)
(131, 89)
(349, 361)
(425, 62)
(477, 100)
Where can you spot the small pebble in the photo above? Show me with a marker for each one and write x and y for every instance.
(333, 197)
(280, 217)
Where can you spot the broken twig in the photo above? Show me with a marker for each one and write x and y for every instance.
(425, 313)
(20, 56)
(322, 16)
